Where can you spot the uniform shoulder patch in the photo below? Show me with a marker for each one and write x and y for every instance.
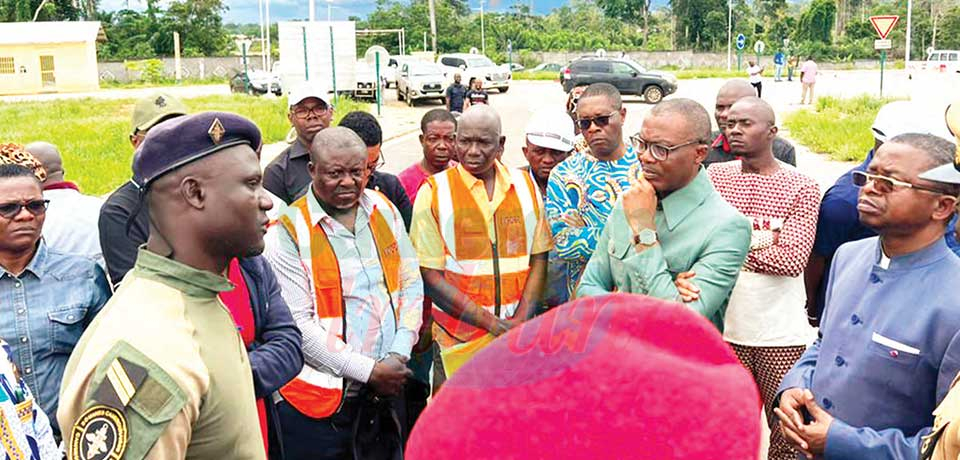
(99, 434)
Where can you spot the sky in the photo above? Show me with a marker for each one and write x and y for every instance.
(245, 11)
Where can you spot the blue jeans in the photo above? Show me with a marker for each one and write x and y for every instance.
(779, 73)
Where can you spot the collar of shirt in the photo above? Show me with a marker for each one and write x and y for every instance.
(37, 264)
(184, 278)
(721, 141)
(500, 188)
(65, 185)
(926, 256)
(679, 204)
(297, 149)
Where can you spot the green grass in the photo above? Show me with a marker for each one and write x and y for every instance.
(534, 75)
(707, 72)
(838, 127)
(92, 134)
(112, 84)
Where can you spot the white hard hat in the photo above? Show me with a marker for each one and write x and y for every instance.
(551, 129)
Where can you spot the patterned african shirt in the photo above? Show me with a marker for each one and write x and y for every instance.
(24, 429)
(583, 189)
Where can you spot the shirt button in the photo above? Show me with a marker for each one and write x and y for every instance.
(874, 278)
(855, 319)
(827, 403)
(20, 311)
(70, 317)
(840, 361)
(17, 284)
(23, 340)
(28, 370)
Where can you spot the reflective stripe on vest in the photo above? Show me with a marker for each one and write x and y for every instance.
(317, 393)
(469, 261)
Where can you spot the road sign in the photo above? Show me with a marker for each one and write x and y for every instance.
(741, 41)
(759, 46)
(883, 24)
(882, 44)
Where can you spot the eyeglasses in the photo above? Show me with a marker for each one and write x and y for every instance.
(35, 207)
(601, 121)
(304, 112)
(884, 184)
(659, 152)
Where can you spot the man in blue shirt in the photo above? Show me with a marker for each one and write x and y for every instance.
(47, 299)
(778, 61)
(839, 222)
(889, 343)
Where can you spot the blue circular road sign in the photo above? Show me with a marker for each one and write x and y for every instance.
(741, 41)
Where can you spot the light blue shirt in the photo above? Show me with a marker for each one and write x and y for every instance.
(43, 313)
(888, 352)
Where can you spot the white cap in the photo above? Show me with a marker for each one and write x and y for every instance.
(307, 90)
(901, 117)
(551, 129)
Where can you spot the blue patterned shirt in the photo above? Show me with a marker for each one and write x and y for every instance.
(24, 429)
(582, 188)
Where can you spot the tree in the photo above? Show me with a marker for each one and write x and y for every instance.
(200, 25)
(692, 24)
(632, 11)
(816, 22)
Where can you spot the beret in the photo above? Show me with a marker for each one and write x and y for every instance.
(179, 141)
(614, 376)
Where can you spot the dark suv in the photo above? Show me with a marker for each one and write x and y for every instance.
(628, 76)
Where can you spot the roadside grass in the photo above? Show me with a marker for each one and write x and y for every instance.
(708, 72)
(535, 75)
(113, 84)
(838, 127)
(92, 134)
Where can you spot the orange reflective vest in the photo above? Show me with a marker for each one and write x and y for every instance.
(317, 393)
(492, 273)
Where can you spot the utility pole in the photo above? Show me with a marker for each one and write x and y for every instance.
(329, 10)
(483, 35)
(433, 25)
(312, 8)
(906, 58)
(729, 34)
(269, 49)
(263, 42)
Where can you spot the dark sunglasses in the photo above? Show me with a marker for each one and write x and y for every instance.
(884, 184)
(601, 121)
(35, 207)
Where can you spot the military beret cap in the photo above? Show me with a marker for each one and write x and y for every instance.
(177, 142)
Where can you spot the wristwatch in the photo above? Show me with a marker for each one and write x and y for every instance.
(646, 237)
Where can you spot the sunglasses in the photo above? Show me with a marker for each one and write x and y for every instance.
(601, 121)
(884, 184)
(35, 207)
(659, 152)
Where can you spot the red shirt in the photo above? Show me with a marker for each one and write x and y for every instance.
(238, 303)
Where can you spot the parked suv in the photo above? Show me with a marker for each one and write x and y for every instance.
(419, 80)
(475, 66)
(628, 76)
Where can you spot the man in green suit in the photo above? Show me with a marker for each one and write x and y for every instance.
(671, 221)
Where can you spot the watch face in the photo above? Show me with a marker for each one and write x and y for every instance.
(647, 236)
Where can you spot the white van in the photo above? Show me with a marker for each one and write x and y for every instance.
(943, 61)
(475, 66)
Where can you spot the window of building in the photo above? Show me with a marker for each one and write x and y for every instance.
(6, 65)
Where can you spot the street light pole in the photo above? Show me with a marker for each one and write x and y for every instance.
(269, 49)
(329, 9)
(483, 35)
(263, 43)
(312, 8)
(729, 34)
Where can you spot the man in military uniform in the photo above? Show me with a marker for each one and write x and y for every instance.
(162, 373)
(944, 441)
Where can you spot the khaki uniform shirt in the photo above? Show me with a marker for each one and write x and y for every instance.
(161, 373)
(944, 442)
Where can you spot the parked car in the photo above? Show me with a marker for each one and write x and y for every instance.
(943, 61)
(420, 80)
(628, 76)
(263, 82)
(548, 67)
(513, 66)
(475, 66)
(366, 81)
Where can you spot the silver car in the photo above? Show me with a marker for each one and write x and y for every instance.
(419, 80)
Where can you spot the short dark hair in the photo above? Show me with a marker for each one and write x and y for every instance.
(440, 115)
(8, 170)
(938, 150)
(696, 116)
(365, 125)
(606, 90)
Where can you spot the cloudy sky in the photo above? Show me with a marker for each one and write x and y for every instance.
(245, 11)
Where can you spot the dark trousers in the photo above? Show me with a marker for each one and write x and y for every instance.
(415, 394)
(759, 87)
(306, 438)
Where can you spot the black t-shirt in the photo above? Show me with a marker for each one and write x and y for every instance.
(477, 96)
(455, 95)
(120, 246)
